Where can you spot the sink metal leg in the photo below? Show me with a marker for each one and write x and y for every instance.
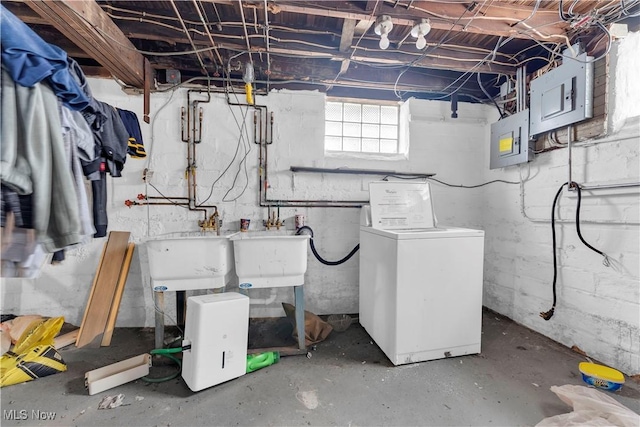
(181, 306)
(160, 307)
(299, 301)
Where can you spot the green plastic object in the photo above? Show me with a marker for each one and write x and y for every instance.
(260, 360)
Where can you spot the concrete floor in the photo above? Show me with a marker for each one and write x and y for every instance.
(347, 381)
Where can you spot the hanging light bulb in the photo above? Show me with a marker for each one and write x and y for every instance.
(419, 31)
(248, 77)
(383, 28)
(421, 42)
(384, 41)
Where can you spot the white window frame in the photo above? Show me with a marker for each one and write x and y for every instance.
(401, 139)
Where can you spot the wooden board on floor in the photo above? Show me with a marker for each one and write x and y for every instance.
(65, 339)
(96, 314)
(115, 306)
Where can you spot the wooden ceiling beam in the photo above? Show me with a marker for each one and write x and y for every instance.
(442, 59)
(91, 29)
(348, 30)
(496, 19)
(375, 78)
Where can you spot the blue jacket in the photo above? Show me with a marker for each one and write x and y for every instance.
(30, 60)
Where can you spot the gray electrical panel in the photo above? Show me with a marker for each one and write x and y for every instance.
(562, 96)
(510, 143)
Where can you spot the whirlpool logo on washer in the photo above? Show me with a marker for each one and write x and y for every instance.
(245, 285)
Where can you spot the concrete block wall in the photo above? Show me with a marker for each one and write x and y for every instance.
(598, 307)
(437, 144)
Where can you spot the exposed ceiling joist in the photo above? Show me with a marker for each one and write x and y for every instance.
(495, 19)
(348, 29)
(363, 26)
(447, 59)
(89, 27)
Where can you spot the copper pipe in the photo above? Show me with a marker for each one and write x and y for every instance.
(165, 198)
(193, 177)
(269, 137)
(184, 123)
(195, 111)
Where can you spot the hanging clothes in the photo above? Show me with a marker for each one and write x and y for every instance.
(135, 146)
(112, 139)
(32, 139)
(78, 140)
(92, 113)
(29, 60)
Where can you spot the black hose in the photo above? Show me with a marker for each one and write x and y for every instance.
(546, 315)
(317, 255)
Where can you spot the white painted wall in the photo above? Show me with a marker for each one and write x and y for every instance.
(598, 308)
(437, 144)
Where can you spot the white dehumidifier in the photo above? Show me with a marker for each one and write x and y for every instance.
(217, 331)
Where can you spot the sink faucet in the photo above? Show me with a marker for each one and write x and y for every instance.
(211, 224)
(273, 222)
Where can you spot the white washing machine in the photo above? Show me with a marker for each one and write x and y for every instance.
(421, 291)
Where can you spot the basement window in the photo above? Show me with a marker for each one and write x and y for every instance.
(354, 127)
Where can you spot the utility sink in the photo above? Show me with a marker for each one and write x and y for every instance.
(269, 259)
(190, 260)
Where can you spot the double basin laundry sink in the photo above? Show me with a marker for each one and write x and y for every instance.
(194, 260)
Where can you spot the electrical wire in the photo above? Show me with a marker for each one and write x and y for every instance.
(248, 149)
(473, 186)
(602, 27)
(533, 12)
(243, 161)
(442, 40)
(489, 97)
(547, 315)
(241, 139)
(149, 148)
(223, 173)
(166, 197)
(605, 260)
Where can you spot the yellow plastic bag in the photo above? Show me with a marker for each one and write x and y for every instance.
(34, 355)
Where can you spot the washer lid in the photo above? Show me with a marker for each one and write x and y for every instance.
(439, 232)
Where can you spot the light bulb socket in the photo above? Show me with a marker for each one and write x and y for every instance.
(421, 28)
(249, 74)
(384, 25)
